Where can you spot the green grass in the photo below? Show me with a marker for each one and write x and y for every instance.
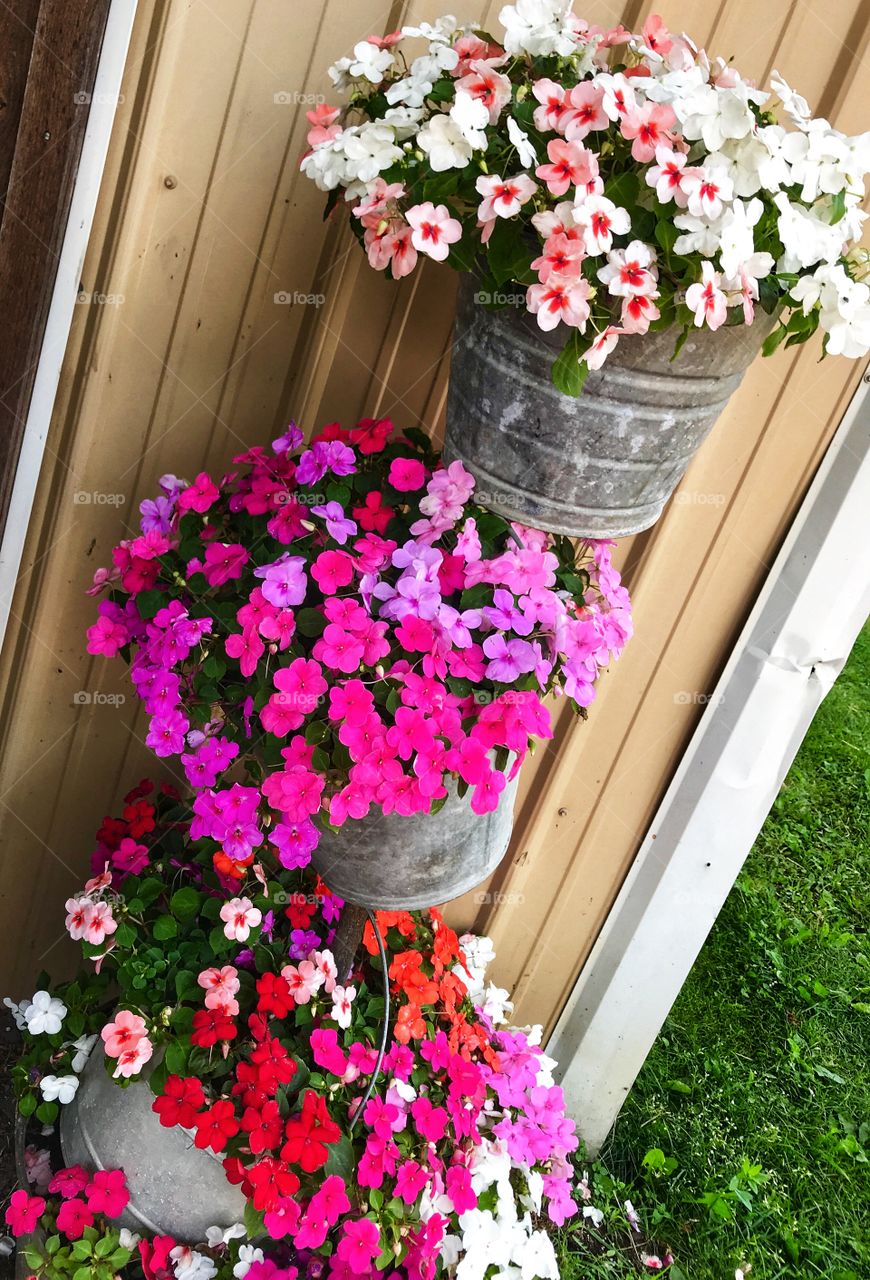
(757, 1091)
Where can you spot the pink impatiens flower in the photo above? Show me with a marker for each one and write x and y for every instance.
(407, 474)
(131, 1061)
(571, 165)
(223, 562)
(240, 916)
(359, 1245)
(433, 230)
(647, 128)
(706, 298)
(557, 300)
(503, 197)
(126, 1030)
(107, 1193)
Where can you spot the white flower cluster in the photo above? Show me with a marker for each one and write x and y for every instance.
(479, 954)
(737, 184)
(44, 1015)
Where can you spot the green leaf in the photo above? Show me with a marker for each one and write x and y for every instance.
(623, 189)
(680, 342)
(125, 935)
(666, 234)
(569, 372)
(150, 602)
(340, 1159)
(214, 666)
(311, 622)
(165, 927)
(27, 1105)
(176, 1058)
(773, 340)
(47, 1112)
(184, 903)
(838, 207)
(508, 251)
(253, 1220)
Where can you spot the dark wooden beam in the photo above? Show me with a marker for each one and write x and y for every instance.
(51, 49)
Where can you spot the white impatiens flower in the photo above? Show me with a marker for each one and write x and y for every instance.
(698, 235)
(342, 1005)
(403, 120)
(60, 1089)
(445, 143)
(369, 62)
(217, 1236)
(844, 308)
(737, 241)
(190, 1264)
(369, 150)
(806, 238)
(496, 1003)
(792, 103)
(471, 117)
(520, 139)
(538, 27)
(326, 164)
(83, 1047)
(248, 1255)
(44, 1014)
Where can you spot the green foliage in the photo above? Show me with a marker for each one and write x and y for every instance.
(757, 1092)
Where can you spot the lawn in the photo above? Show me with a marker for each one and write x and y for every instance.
(754, 1104)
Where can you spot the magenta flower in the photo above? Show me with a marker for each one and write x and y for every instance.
(201, 495)
(223, 562)
(107, 1193)
(23, 1213)
(332, 570)
(73, 1217)
(407, 474)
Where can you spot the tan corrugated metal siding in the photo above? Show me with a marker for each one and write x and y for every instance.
(203, 220)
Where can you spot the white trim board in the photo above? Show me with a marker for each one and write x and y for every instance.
(95, 145)
(795, 643)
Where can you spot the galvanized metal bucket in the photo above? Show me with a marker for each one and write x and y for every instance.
(601, 465)
(391, 862)
(175, 1189)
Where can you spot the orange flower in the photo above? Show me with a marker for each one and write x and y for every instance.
(235, 867)
(409, 1024)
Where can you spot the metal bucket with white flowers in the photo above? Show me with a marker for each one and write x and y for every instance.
(604, 463)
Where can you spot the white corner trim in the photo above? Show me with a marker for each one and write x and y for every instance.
(796, 641)
(95, 145)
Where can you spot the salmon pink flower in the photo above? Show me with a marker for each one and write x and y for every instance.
(638, 313)
(240, 916)
(600, 220)
(220, 985)
(667, 175)
(558, 300)
(486, 85)
(602, 347)
(433, 231)
(503, 197)
(132, 1060)
(647, 127)
(123, 1033)
(586, 111)
(570, 165)
(78, 915)
(561, 259)
(630, 270)
(99, 923)
(706, 298)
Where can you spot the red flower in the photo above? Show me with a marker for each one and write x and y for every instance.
(154, 1256)
(248, 1086)
(274, 1065)
(216, 1126)
(264, 1126)
(371, 434)
(274, 995)
(143, 788)
(111, 833)
(270, 1180)
(308, 1134)
(211, 1025)
(73, 1217)
(180, 1101)
(140, 818)
(375, 515)
(300, 910)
